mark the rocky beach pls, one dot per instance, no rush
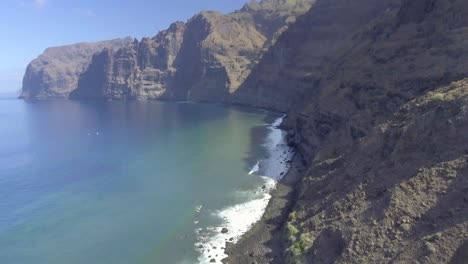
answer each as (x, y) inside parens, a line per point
(261, 244)
(241, 218)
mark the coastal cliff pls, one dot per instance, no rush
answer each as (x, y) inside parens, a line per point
(139, 70)
(376, 93)
(380, 122)
(55, 73)
(205, 59)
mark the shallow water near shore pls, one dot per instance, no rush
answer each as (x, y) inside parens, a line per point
(130, 182)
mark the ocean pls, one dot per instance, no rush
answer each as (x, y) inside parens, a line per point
(132, 182)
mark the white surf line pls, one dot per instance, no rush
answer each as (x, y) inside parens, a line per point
(280, 154)
(255, 168)
(198, 208)
(238, 219)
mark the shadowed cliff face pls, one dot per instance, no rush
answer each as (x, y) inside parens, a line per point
(289, 68)
(206, 59)
(55, 73)
(382, 66)
(94, 79)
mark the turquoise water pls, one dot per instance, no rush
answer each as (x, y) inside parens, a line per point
(121, 182)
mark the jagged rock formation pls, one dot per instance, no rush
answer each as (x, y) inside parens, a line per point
(138, 70)
(206, 59)
(378, 112)
(55, 73)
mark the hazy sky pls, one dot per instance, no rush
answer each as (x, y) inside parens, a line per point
(28, 27)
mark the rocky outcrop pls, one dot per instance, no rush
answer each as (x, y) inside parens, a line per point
(55, 73)
(395, 194)
(206, 59)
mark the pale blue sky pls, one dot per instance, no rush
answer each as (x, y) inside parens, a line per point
(28, 27)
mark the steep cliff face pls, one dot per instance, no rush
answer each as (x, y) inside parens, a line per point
(94, 79)
(394, 194)
(217, 54)
(139, 70)
(206, 59)
(287, 70)
(379, 115)
(55, 73)
(390, 61)
(235, 43)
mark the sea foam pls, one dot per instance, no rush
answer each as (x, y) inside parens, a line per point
(238, 219)
(255, 168)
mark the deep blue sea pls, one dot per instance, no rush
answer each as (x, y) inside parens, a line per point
(85, 182)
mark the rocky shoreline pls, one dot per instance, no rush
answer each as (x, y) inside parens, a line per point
(262, 243)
